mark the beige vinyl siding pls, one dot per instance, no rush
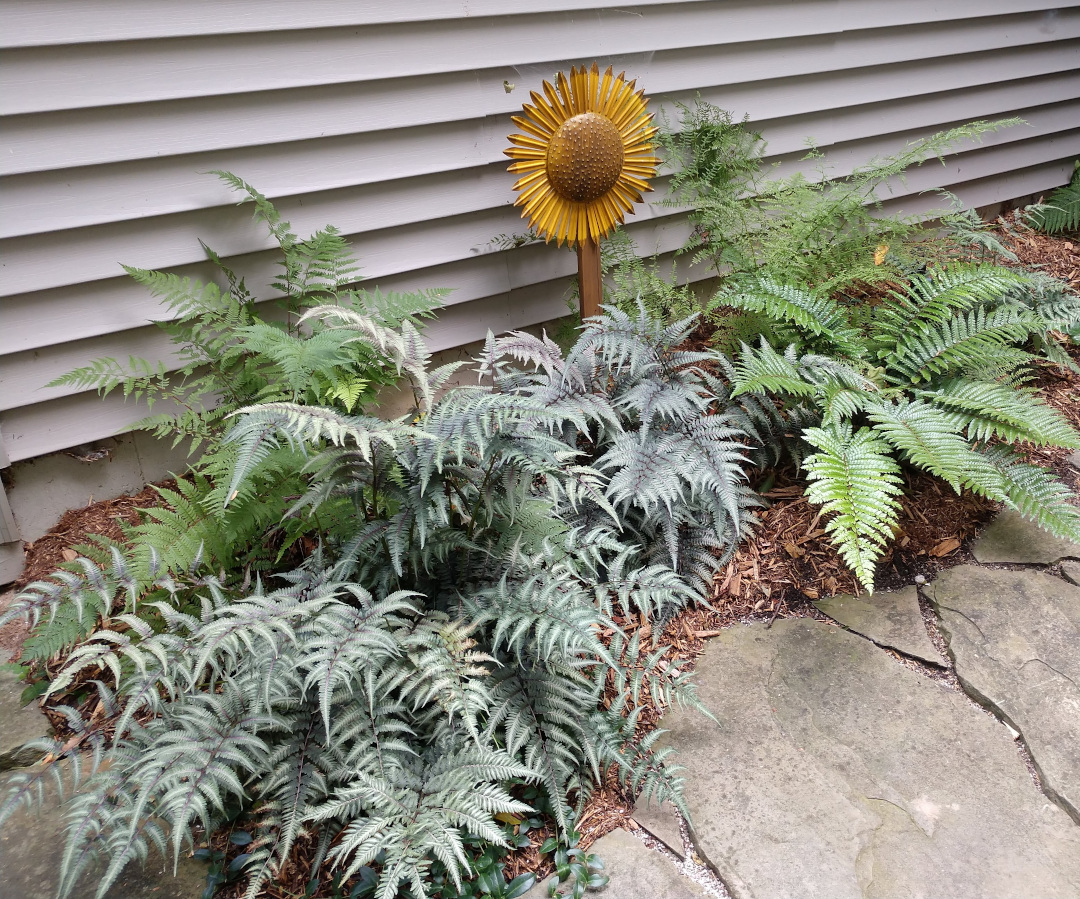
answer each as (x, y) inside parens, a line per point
(389, 121)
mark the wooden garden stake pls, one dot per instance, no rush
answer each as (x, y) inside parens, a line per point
(590, 283)
(585, 156)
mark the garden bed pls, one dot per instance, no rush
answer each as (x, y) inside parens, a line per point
(777, 573)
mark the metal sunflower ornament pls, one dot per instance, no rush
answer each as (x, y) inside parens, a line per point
(585, 158)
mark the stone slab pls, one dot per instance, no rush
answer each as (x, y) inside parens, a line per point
(1071, 572)
(636, 872)
(32, 845)
(1074, 459)
(835, 773)
(662, 822)
(18, 725)
(1012, 538)
(1015, 637)
(889, 619)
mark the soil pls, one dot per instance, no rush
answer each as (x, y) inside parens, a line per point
(788, 563)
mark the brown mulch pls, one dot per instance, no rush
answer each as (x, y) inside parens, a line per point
(1057, 256)
(75, 527)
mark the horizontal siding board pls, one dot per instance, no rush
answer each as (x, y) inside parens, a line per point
(77, 22)
(97, 195)
(26, 372)
(96, 75)
(50, 140)
(119, 303)
(49, 426)
(389, 120)
(92, 253)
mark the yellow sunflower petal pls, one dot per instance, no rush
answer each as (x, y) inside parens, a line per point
(526, 165)
(612, 96)
(629, 180)
(628, 194)
(638, 140)
(630, 111)
(536, 191)
(594, 84)
(566, 95)
(581, 91)
(542, 112)
(556, 102)
(524, 155)
(605, 90)
(623, 197)
(540, 175)
(536, 136)
(611, 209)
(530, 142)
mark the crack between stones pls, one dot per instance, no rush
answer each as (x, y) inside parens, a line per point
(1022, 746)
(984, 702)
(694, 866)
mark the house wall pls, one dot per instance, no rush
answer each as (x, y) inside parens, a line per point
(389, 120)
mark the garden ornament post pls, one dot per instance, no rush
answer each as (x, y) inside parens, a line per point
(585, 158)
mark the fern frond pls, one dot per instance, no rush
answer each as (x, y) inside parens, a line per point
(1036, 494)
(988, 410)
(855, 481)
(976, 340)
(1060, 212)
(935, 298)
(810, 311)
(930, 439)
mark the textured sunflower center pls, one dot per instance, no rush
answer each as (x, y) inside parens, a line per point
(585, 157)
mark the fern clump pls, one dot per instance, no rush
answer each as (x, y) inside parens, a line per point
(818, 230)
(453, 636)
(234, 351)
(934, 376)
(1061, 211)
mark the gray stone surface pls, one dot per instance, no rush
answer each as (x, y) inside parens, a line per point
(1071, 572)
(1074, 459)
(1015, 637)
(836, 773)
(889, 619)
(18, 725)
(1012, 538)
(662, 822)
(32, 845)
(636, 872)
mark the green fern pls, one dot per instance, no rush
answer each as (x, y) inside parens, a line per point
(931, 376)
(855, 481)
(801, 229)
(1061, 211)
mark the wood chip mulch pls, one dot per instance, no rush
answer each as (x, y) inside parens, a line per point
(1057, 256)
(75, 528)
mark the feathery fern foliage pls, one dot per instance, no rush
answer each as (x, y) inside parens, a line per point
(1061, 211)
(445, 642)
(234, 352)
(801, 229)
(934, 376)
